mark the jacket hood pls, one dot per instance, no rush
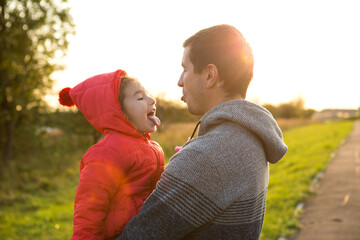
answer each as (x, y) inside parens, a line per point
(97, 99)
(252, 117)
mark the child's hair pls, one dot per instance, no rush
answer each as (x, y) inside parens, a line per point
(125, 81)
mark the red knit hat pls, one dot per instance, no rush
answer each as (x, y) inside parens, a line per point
(64, 97)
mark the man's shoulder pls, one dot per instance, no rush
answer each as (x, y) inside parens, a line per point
(229, 138)
(192, 159)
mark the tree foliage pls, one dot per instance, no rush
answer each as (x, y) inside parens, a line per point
(71, 121)
(292, 109)
(172, 112)
(33, 34)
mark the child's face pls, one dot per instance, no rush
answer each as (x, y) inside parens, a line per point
(140, 108)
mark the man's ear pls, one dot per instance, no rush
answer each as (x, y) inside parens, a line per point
(212, 75)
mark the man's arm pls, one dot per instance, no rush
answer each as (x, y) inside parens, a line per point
(177, 207)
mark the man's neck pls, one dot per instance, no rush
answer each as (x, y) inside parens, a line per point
(220, 98)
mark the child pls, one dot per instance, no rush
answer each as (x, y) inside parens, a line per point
(119, 172)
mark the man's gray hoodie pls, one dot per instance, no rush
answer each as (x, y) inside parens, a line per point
(215, 186)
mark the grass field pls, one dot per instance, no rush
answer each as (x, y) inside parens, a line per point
(310, 149)
(37, 190)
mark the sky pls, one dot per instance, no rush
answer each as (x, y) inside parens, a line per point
(302, 49)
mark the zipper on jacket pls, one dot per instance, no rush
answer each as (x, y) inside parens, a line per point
(156, 154)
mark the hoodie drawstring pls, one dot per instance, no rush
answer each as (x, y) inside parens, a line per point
(178, 148)
(196, 127)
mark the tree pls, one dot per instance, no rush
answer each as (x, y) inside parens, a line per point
(71, 121)
(33, 33)
(293, 109)
(169, 112)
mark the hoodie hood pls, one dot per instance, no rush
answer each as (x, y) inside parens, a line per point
(97, 98)
(252, 117)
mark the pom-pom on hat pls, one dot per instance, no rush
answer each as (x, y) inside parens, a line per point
(64, 97)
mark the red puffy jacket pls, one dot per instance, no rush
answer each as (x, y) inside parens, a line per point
(119, 172)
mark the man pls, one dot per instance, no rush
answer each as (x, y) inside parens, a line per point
(215, 186)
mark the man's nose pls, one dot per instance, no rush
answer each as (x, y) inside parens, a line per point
(181, 82)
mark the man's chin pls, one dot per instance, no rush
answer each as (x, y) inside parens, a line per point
(194, 111)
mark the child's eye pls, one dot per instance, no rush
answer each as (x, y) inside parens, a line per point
(141, 98)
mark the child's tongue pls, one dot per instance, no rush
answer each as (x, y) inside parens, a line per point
(155, 120)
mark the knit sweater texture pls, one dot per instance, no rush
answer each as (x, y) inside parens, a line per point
(215, 186)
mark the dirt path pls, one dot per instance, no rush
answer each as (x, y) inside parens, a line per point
(334, 211)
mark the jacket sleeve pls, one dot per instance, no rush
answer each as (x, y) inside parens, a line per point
(179, 204)
(99, 181)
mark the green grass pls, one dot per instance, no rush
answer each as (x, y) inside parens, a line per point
(39, 203)
(37, 190)
(310, 149)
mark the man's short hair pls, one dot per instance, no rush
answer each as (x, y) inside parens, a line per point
(226, 48)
